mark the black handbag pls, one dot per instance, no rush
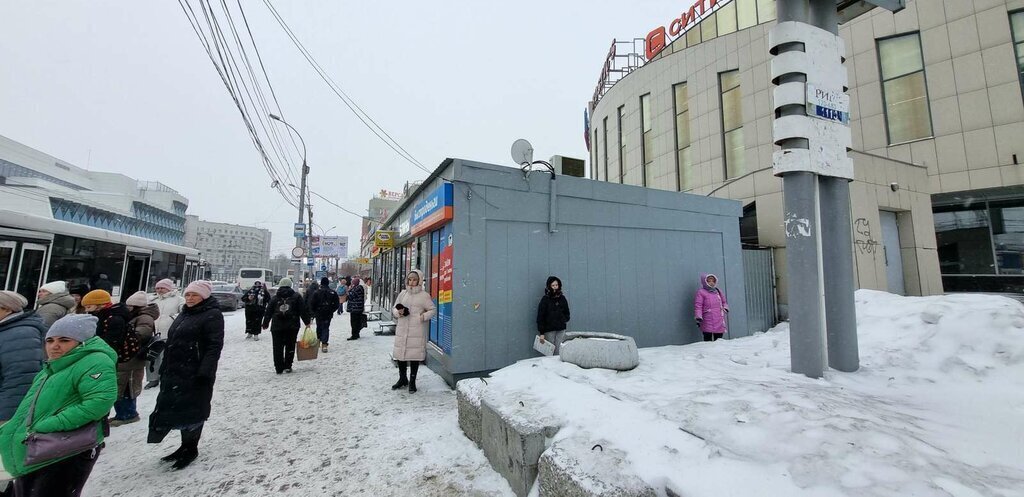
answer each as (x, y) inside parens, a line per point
(43, 447)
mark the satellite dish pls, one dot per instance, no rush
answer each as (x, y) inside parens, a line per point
(522, 152)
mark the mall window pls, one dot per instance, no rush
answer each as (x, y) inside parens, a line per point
(964, 242)
(647, 135)
(727, 19)
(904, 91)
(604, 144)
(1017, 26)
(693, 36)
(684, 161)
(746, 13)
(1008, 236)
(622, 145)
(732, 124)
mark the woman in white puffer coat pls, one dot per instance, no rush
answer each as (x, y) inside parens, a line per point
(413, 310)
(170, 303)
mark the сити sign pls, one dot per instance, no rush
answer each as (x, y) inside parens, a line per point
(657, 39)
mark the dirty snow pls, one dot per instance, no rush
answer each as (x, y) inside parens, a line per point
(333, 427)
(937, 409)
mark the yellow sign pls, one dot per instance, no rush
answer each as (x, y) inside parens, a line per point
(384, 239)
(361, 260)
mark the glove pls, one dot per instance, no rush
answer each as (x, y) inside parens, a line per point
(699, 321)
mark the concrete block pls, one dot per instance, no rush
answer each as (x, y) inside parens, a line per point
(600, 350)
(575, 467)
(514, 434)
(467, 394)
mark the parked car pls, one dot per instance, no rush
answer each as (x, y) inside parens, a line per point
(228, 295)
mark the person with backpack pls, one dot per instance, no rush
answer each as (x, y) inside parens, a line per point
(325, 303)
(356, 305)
(285, 311)
(255, 300)
(131, 373)
(188, 373)
(112, 326)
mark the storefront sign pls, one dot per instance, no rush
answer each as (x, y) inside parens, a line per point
(434, 211)
(384, 239)
(389, 195)
(444, 294)
(658, 38)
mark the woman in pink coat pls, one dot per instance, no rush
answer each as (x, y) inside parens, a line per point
(710, 308)
(413, 310)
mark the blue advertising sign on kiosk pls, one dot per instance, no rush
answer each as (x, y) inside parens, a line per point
(433, 211)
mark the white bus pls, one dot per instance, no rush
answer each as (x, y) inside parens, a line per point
(249, 275)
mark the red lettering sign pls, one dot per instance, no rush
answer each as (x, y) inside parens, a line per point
(657, 39)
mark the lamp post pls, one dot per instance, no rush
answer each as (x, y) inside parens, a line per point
(302, 189)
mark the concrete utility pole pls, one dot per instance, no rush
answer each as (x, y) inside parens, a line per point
(812, 128)
(302, 193)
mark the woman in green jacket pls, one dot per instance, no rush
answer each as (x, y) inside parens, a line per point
(78, 386)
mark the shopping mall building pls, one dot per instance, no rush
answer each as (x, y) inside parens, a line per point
(936, 114)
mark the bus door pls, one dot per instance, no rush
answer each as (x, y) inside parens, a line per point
(28, 271)
(136, 272)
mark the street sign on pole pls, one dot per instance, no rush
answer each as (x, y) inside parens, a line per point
(829, 105)
(300, 230)
(323, 267)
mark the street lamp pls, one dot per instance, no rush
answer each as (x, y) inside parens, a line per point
(302, 189)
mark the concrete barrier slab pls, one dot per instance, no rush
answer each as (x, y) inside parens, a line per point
(576, 467)
(514, 434)
(467, 394)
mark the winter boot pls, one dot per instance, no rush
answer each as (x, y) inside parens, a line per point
(412, 383)
(402, 379)
(189, 448)
(173, 456)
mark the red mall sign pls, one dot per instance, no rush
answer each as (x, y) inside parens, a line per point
(657, 39)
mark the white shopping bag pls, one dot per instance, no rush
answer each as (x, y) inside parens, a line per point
(547, 348)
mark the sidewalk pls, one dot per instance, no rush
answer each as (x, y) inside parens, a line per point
(333, 427)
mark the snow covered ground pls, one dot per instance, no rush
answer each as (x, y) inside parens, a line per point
(333, 427)
(937, 409)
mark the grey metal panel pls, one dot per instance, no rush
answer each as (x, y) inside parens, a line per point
(496, 304)
(759, 276)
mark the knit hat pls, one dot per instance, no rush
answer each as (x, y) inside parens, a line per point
(96, 297)
(55, 287)
(79, 327)
(12, 301)
(325, 281)
(202, 287)
(285, 282)
(165, 283)
(138, 299)
(78, 290)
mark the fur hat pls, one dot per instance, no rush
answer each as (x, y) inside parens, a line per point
(138, 299)
(55, 287)
(79, 327)
(12, 301)
(96, 297)
(202, 287)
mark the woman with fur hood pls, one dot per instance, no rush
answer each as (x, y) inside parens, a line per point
(413, 310)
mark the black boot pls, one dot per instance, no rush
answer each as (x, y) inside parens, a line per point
(402, 380)
(414, 368)
(173, 456)
(189, 448)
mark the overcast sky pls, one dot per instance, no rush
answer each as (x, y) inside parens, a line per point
(127, 87)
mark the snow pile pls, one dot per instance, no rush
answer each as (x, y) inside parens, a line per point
(936, 408)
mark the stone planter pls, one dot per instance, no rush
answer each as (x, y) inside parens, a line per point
(600, 350)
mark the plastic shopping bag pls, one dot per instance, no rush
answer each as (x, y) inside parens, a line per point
(309, 339)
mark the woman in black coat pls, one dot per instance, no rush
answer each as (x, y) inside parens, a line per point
(188, 372)
(553, 314)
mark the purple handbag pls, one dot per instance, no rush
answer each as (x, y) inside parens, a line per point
(43, 447)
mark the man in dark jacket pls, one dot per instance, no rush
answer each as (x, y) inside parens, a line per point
(356, 304)
(286, 309)
(553, 313)
(21, 351)
(325, 303)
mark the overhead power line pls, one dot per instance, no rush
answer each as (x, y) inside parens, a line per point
(362, 115)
